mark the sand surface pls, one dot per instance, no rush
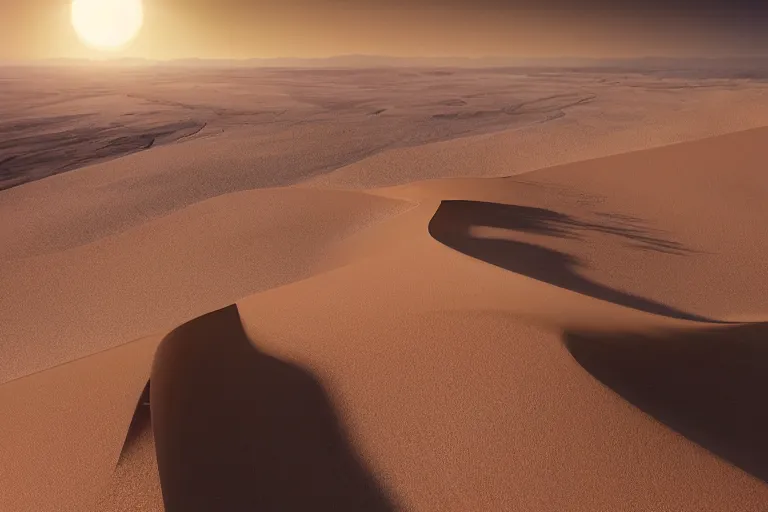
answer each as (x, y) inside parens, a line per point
(383, 290)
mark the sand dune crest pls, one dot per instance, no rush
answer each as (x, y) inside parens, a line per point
(239, 430)
(456, 222)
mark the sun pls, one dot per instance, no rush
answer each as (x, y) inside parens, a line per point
(107, 24)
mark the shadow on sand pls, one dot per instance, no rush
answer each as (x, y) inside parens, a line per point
(140, 423)
(710, 386)
(238, 430)
(452, 223)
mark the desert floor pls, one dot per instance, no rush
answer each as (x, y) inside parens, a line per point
(392, 289)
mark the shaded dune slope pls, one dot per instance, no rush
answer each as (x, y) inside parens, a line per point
(141, 423)
(454, 222)
(706, 383)
(237, 429)
(709, 384)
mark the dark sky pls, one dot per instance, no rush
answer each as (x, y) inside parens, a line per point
(317, 28)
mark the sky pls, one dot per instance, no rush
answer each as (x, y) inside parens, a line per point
(239, 29)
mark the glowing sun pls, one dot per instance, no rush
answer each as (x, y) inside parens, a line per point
(107, 24)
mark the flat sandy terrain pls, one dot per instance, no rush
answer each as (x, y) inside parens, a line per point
(400, 289)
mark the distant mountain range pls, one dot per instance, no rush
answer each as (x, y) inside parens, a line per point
(734, 66)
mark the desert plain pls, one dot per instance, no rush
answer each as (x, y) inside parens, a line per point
(427, 289)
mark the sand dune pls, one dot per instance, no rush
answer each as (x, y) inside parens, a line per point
(482, 407)
(707, 385)
(170, 270)
(275, 451)
(456, 223)
(63, 428)
(323, 325)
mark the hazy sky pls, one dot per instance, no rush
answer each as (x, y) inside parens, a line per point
(317, 28)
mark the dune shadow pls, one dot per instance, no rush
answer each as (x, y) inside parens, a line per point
(452, 226)
(710, 386)
(141, 422)
(239, 430)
